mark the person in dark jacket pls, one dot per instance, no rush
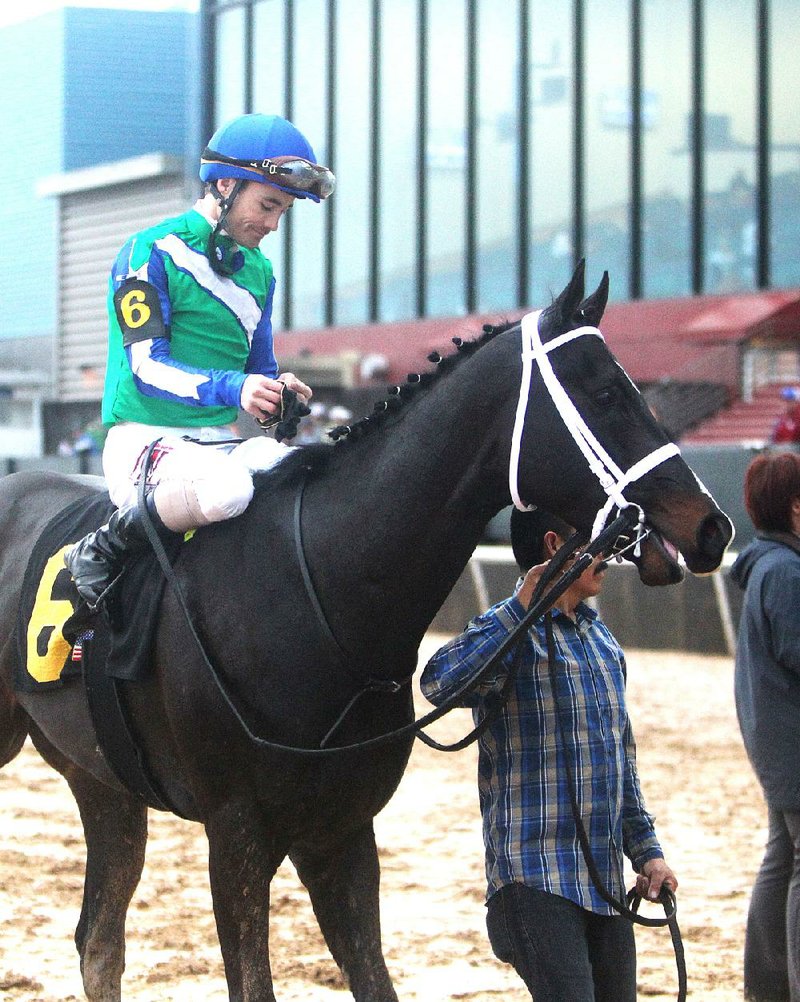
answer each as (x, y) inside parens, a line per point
(767, 686)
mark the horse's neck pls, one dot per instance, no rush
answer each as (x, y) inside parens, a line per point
(404, 508)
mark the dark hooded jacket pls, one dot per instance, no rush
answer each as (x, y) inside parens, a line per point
(767, 677)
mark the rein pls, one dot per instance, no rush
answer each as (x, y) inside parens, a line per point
(536, 610)
(539, 606)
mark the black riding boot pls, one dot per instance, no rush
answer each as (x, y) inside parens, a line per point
(96, 560)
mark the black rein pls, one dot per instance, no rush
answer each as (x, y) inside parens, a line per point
(539, 605)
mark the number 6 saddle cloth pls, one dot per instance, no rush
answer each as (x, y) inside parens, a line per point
(56, 633)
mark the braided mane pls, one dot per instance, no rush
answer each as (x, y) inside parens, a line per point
(318, 455)
(400, 395)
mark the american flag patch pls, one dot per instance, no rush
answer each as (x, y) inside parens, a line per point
(77, 647)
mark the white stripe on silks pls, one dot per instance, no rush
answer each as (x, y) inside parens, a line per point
(164, 377)
(238, 300)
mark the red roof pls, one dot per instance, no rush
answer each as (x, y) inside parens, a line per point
(698, 337)
(692, 338)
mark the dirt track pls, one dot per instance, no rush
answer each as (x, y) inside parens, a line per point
(695, 777)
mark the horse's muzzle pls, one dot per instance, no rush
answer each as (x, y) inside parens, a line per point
(714, 533)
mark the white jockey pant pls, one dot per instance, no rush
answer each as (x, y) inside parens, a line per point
(195, 484)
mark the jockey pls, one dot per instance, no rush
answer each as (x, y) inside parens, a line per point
(190, 342)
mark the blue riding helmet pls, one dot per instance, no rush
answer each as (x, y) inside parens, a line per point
(262, 148)
(267, 149)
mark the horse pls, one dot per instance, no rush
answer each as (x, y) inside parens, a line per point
(310, 608)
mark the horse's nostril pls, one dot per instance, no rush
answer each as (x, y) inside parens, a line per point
(714, 534)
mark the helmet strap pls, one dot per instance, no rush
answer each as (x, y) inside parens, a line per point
(225, 203)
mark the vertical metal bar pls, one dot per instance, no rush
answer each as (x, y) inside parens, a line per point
(697, 147)
(479, 581)
(471, 152)
(422, 135)
(578, 144)
(329, 282)
(288, 97)
(374, 305)
(249, 69)
(208, 56)
(724, 609)
(635, 221)
(523, 157)
(764, 181)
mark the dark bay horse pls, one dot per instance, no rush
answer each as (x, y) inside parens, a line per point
(390, 516)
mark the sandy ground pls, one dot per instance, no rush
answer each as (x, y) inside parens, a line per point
(694, 773)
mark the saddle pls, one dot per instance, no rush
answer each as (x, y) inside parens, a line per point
(58, 638)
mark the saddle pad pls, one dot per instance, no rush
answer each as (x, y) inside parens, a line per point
(49, 598)
(52, 641)
(57, 637)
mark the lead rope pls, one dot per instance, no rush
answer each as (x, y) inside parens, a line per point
(415, 727)
(628, 908)
(536, 609)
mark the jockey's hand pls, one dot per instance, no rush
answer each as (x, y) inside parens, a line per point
(655, 874)
(299, 387)
(261, 395)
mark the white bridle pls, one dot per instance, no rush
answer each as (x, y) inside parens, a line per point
(612, 479)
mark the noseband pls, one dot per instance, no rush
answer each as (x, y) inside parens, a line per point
(612, 479)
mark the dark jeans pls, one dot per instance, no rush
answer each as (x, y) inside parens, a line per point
(772, 942)
(562, 952)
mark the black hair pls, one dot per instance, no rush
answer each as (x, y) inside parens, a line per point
(528, 529)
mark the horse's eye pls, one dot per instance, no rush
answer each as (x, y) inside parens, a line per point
(605, 398)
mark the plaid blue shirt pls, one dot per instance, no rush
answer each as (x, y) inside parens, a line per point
(528, 828)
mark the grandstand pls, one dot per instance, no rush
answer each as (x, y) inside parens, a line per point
(682, 406)
(749, 422)
(711, 367)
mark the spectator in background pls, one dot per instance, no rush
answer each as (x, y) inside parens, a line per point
(544, 914)
(91, 439)
(339, 415)
(787, 428)
(312, 428)
(767, 686)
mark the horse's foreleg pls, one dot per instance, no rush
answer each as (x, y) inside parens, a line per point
(115, 827)
(343, 884)
(243, 858)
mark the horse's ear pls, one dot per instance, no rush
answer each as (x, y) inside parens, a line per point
(593, 307)
(567, 303)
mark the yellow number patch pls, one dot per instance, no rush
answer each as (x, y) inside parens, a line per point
(46, 647)
(138, 311)
(134, 309)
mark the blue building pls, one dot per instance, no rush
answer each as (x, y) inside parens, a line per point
(79, 88)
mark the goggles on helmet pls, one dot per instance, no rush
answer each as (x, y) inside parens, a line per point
(289, 172)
